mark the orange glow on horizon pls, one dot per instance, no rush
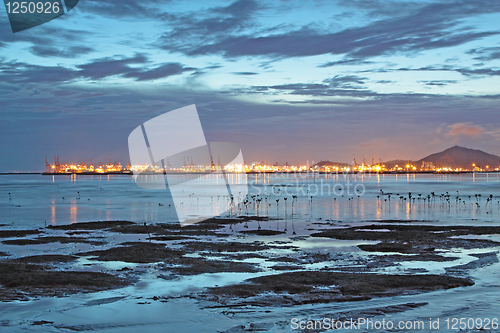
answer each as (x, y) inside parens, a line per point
(100, 168)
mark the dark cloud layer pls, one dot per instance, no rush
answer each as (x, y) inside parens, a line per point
(121, 8)
(159, 72)
(101, 68)
(486, 53)
(23, 73)
(245, 73)
(438, 82)
(207, 26)
(433, 26)
(65, 52)
(136, 67)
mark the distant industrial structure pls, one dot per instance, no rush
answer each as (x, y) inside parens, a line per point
(427, 166)
(454, 159)
(69, 168)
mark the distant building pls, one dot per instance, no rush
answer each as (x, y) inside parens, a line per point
(428, 166)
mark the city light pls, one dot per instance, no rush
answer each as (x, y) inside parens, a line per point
(82, 168)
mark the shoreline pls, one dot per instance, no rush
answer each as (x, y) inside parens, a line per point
(217, 251)
(253, 173)
(244, 275)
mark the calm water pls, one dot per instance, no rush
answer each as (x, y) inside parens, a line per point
(35, 200)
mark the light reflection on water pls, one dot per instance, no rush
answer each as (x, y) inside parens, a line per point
(56, 200)
(37, 198)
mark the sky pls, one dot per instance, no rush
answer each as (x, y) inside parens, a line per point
(288, 81)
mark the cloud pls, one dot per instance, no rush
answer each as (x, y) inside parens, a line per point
(485, 53)
(122, 66)
(339, 85)
(208, 26)
(159, 72)
(245, 73)
(362, 43)
(346, 81)
(467, 129)
(347, 61)
(110, 66)
(478, 72)
(23, 73)
(433, 26)
(438, 82)
(136, 67)
(68, 52)
(239, 8)
(494, 133)
(47, 41)
(381, 7)
(121, 8)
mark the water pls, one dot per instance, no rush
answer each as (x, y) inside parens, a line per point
(37, 200)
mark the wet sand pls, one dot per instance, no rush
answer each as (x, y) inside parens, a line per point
(285, 273)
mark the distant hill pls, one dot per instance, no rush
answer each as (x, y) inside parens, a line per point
(329, 163)
(401, 163)
(454, 157)
(461, 157)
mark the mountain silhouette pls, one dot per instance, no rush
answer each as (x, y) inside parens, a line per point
(461, 157)
(330, 164)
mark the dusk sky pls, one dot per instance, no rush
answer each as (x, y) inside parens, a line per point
(288, 81)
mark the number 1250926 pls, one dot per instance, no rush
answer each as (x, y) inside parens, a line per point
(471, 323)
(33, 7)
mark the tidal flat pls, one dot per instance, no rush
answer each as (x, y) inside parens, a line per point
(329, 262)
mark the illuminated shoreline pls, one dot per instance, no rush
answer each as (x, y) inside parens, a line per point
(128, 172)
(58, 168)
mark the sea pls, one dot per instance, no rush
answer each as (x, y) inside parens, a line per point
(294, 202)
(36, 200)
